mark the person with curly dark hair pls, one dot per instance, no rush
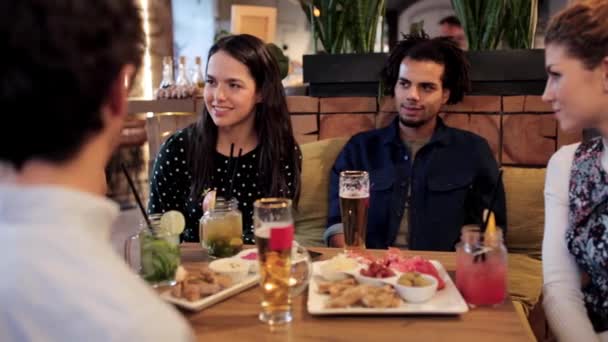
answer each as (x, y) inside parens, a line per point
(427, 180)
(63, 72)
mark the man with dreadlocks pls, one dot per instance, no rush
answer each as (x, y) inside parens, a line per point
(427, 180)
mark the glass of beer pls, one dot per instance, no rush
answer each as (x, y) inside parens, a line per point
(354, 202)
(274, 230)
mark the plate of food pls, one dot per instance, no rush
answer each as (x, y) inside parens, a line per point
(206, 284)
(390, 285)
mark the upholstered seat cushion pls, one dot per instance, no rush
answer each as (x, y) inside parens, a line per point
(311, 217)
(525, 209)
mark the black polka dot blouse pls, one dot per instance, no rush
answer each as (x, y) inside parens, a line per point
(171, 180)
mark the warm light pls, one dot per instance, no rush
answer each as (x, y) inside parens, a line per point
(147, 67)
(316, 12)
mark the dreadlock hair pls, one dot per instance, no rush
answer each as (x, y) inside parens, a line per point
(441, 50)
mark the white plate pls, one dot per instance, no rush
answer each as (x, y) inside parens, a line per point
(251, 280)
(445, 302)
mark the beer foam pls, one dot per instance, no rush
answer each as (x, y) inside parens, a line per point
(354, 194)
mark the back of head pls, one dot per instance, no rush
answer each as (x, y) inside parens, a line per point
(440, 50)
(450, 20)
(582, 28)
(60, 59)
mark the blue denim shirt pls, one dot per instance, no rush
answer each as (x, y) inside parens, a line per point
(452, 180)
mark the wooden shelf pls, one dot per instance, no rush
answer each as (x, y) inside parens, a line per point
(191, 105)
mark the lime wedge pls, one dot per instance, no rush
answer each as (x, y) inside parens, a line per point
(172, 222)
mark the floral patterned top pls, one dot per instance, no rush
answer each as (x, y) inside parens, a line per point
(587, 235)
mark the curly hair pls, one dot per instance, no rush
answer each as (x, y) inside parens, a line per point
(61, 58)
(440, 50)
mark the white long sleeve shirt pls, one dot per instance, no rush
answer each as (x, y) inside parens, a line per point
(61, 280)
(563, 298)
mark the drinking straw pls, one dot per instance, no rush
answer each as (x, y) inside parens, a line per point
(482, 256)
(228, 168)
(492, 202)
(137, 199)
(236, 166)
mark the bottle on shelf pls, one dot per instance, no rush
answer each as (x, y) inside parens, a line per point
(198, 78)
(167, 80)
(182, 75)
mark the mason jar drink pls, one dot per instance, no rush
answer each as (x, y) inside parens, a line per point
(221, 229)
(159, 253)
(481, 267)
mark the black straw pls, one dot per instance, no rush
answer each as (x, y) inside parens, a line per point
(137, 199)
(482, 257)
(236, 166)
(229, 167)
(492, 201)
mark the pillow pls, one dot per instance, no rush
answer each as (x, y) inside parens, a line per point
(311, 217)
(524, 189)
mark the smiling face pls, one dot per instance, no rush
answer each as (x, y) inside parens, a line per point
(419, 93)
(578, 95)
(230, 91)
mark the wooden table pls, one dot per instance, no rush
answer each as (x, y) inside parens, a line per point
(236, 318)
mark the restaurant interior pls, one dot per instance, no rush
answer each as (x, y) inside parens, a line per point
(504, 108)
(333, 92)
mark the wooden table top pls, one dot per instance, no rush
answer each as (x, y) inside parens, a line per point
(236, 318)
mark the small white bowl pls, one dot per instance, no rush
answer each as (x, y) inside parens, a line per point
(378, 282)
(330, 273)
(235, 268)
(412, 294)
(254, 265)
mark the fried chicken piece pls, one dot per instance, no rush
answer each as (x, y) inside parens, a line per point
(349, 297)
(177, 290)
(338, 290)
(380, 298)
(207, 289)
(223, 281)
(207, 275)
(191, 291)
(336, 287)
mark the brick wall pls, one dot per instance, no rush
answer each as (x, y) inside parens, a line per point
(520, 129)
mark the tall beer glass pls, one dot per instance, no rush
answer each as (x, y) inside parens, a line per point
(354, 202)
(274, 230)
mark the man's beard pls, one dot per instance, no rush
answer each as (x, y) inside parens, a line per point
(414, 123)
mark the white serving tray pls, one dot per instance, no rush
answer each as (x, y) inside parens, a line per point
(447, 301)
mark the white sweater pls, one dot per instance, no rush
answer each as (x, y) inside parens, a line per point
(61, 279)
(563, 298)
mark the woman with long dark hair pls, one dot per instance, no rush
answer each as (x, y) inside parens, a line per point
(245, 111)
(575, 246)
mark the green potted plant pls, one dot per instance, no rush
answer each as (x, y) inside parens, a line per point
(344, 35)
(501, 34)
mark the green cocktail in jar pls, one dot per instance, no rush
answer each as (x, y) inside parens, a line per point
(221, 229)
(160, 257)
(159, 252)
